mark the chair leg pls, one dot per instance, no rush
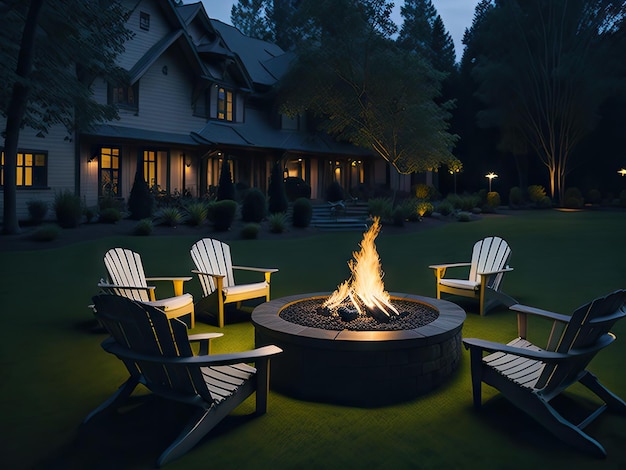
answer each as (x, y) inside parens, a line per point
(613, 402)
(476, 363)
(120, 396)
(220, 310)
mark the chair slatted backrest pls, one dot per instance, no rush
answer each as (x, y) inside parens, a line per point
(212, 256)
(588, 328)
(489, 254)
(145, 329)
(125, 268)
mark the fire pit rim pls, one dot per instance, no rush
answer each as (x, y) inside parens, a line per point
(450, 317)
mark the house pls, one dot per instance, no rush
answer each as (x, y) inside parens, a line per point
(199, 91)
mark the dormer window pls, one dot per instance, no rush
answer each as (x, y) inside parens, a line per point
(224, 104)
(144, 21)
(124, 96)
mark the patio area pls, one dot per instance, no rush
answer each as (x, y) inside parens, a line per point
(55, 372)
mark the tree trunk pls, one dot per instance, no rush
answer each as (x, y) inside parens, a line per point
(15, 113)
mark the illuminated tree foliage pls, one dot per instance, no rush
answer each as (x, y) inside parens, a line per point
(363, 88)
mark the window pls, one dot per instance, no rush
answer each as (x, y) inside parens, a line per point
(224, 104)
(144, 21)
(109, 172)
(31, 170)
(124, 96)
(150, 169)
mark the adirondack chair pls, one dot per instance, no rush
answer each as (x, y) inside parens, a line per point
(127, 278)
(157, 353)
(486, 270)
(530, 377)
(214, 269)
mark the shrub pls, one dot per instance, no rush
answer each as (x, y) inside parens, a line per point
(46, 233)
(536, 193)
(424, 191)
(425, 208)
(455, 200)
(107, 201)
(222, 214)
(140, 200)
(68, 209)
(334, 192)
(516, 199)
(276, 191)
(253, 207)
(297, 188)
(196, 213)
(398, 216)
(445, 207)
(464, 216)
(380, 207)
(250, 231)
(594, 196)
(170, 216)
(144, 227)
(493, 199)
(302, 212)
(544, 203)
(573, 198)
(110, 215)
(225, 186)
(37, 210)
(278, 222)
(90, 214)
(469, 201)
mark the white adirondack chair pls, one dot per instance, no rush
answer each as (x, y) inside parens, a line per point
(127, 279)
(158, 354)
(530, 377)
(486, 269)
(215, 271)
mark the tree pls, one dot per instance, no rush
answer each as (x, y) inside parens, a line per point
(249, 16)
(545, 74)
(442, 47)
(46, 76)
(363, 88)
(417, 27)
(225, 187)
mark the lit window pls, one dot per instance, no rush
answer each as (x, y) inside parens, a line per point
(124, 96)
(31, 170)
(109, 172)
(224, 104)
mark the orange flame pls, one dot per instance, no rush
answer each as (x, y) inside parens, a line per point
(365, 288)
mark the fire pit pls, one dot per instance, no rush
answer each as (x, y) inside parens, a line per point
(361, 348)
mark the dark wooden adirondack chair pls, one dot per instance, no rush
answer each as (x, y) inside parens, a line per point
(484, 281)
(157, 353)
(530, 377)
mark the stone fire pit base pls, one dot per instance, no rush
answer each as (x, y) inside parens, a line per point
(360, 368)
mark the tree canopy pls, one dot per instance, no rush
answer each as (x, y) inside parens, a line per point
(544, 70)
(363, 88)
(46, 74)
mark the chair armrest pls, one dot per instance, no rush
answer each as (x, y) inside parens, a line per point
(489, 273)
(205, 341)
(122, 352)
(200, 273)
(491, 346)
(525, 309)
(179, 278)
(450, 265)
(260, 270)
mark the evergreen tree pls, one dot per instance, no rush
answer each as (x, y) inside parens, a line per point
(276, 191)
(225, 188)
(442, 47)
(140, 201)
(249, 16)
(417, 27)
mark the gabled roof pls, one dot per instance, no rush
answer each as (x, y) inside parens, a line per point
(178, 36)
(124, 133)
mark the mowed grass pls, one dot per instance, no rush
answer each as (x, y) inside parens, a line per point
(54, 371)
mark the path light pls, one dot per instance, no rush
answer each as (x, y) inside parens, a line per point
(622, 171)
(491, 176)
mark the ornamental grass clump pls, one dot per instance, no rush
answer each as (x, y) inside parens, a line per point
(37, 210)
(144, 227)
(46, 233)
(197, 213)
(277, 222)
(250, 231)
(170, 216)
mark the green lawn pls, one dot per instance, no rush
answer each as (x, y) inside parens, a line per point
(54, 371)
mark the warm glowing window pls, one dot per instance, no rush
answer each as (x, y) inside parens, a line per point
(224, 104)
(109, 171)
(31, 169)
(150, 168)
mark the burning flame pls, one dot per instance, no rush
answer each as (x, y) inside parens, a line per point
(364, 289)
